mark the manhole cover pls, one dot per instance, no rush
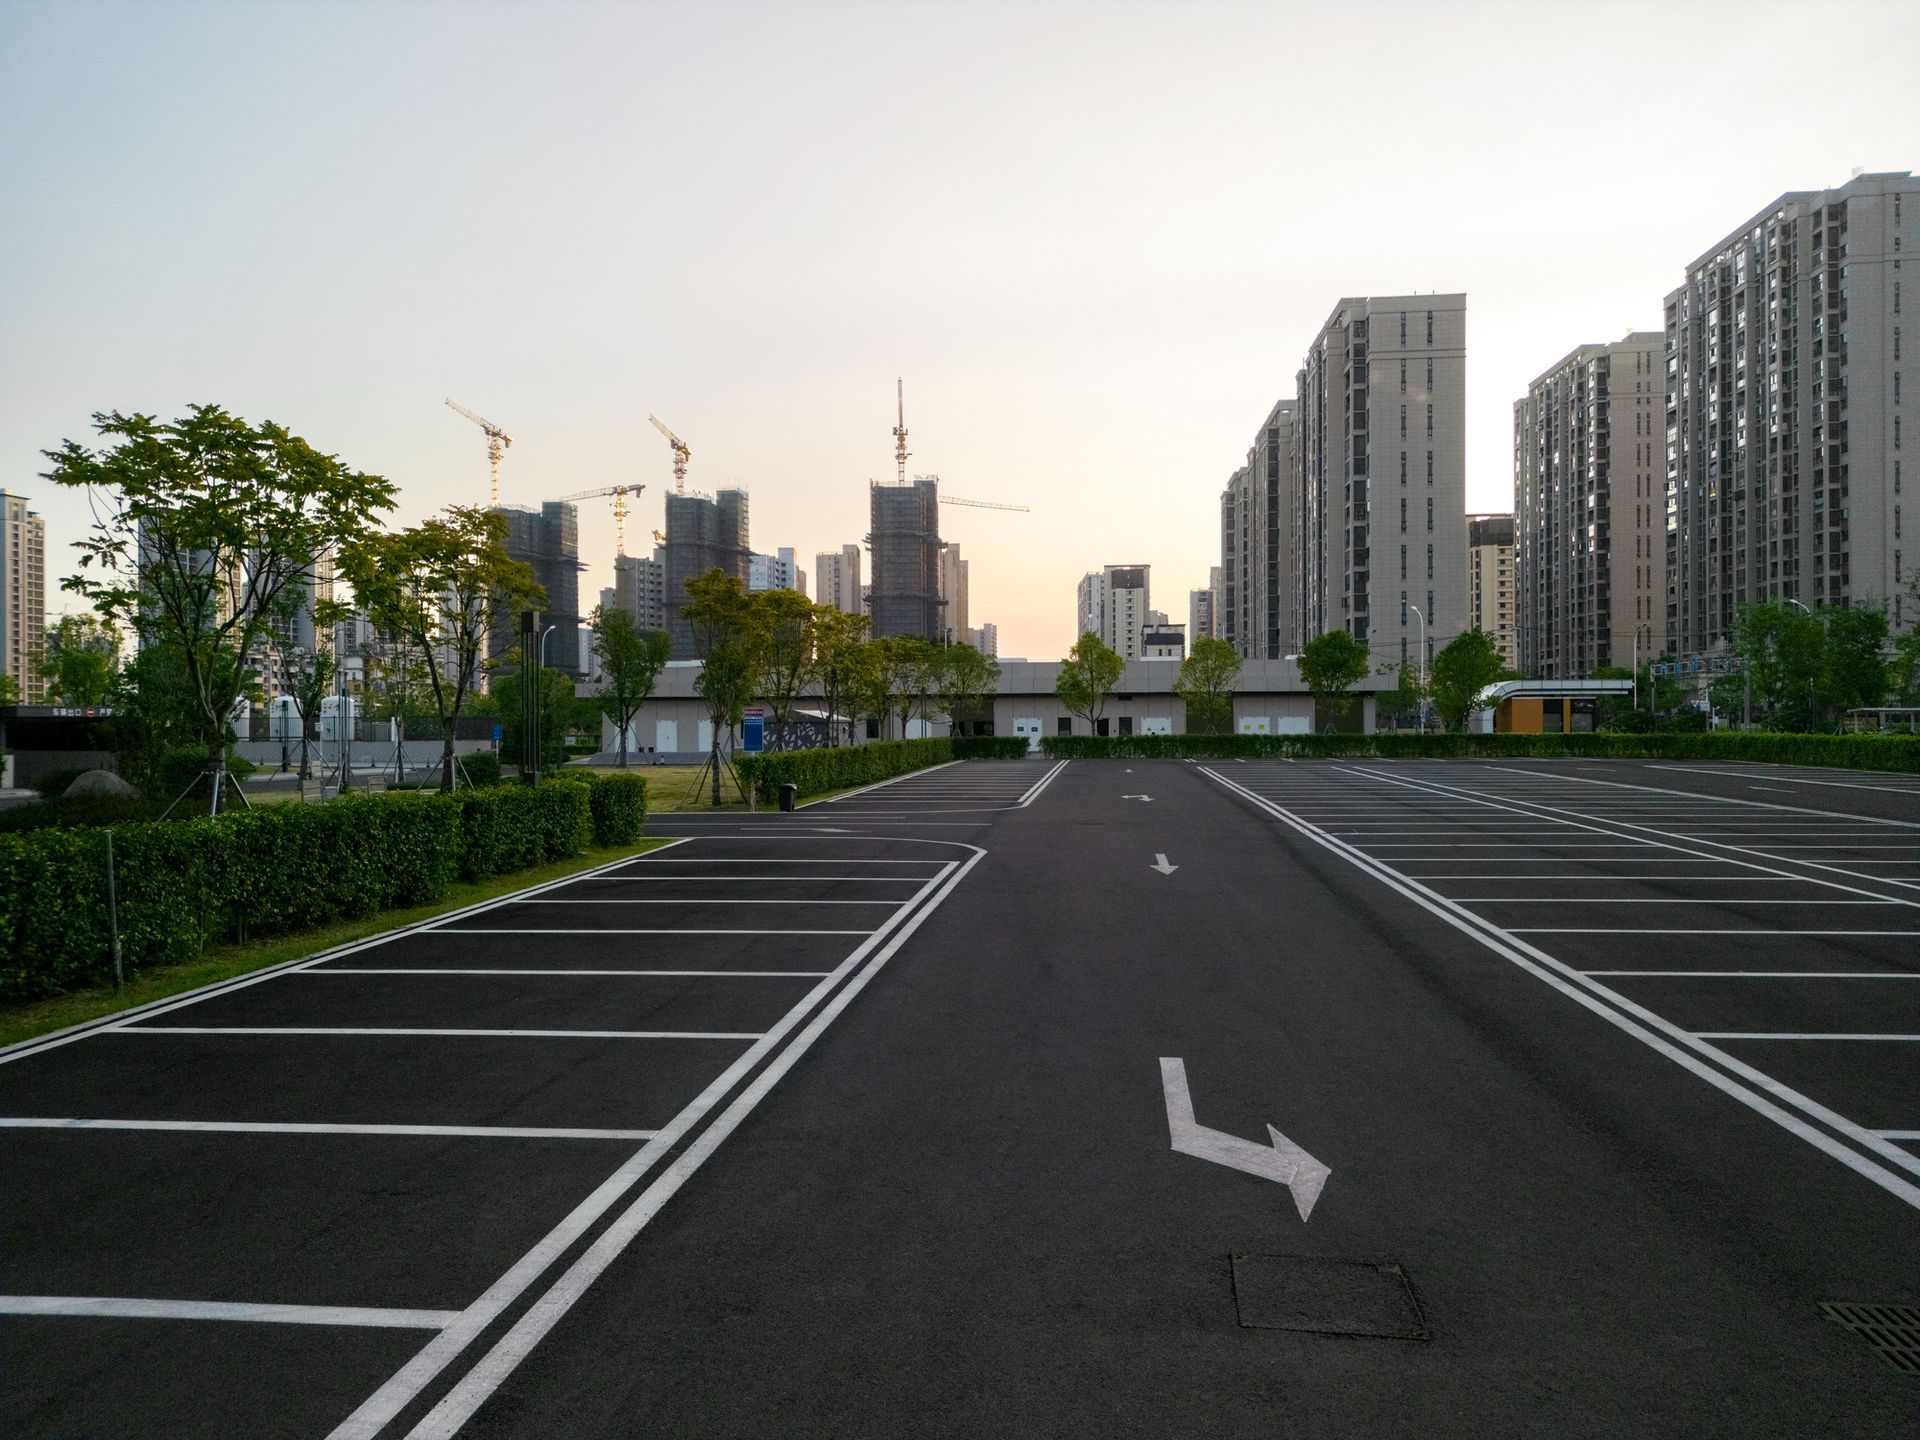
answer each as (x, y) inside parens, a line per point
(1892, 1330)
(1327, 1297)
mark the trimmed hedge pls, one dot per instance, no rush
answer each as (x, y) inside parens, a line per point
(814, 772)
(254, 873)
(1851, 752)
(990, 747)
(619, 804)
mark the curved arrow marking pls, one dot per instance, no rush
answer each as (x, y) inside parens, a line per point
(1280, 1160)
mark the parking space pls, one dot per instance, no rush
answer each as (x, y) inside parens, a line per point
(383, 1151)
(1770, 941)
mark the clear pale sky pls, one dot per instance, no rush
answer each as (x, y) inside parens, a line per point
(1095, 238)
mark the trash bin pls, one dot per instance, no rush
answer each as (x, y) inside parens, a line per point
(788, 795)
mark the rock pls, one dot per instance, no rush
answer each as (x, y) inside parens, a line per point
(98, 782)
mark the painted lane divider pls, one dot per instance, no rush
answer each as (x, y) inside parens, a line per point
(1160, 864)
(1282, 1160)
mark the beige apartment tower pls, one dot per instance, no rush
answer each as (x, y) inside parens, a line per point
(1379, 503)
(1490, 580)
(1785, 412)
(23, 596)
(836, 579)
(1589, 487)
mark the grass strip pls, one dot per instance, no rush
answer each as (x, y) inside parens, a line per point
(224, 962)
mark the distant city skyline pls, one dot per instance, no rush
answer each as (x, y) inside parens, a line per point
(1094, 245)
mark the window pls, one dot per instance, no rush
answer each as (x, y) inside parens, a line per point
(1064, 725)
(1126, 724)
(1403, 562)
(1429, 514)
(1403, 467)
(1403, 329)
(1429, 327)
(1429, 422)
(1429, 560)
(1403, 377)
(1403, 514)
(1429, 468)
(1403, 612)
(1403, 422)
(1429, 374)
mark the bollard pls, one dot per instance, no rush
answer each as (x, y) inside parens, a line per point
(788, 795)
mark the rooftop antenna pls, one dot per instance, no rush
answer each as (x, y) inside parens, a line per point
(900, 451)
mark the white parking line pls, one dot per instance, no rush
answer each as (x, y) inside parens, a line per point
(722, 901)
(261, 1127)
(1666, 930)
(1766, 974)
(1793, 1035)
(478, 970)
(91, 1305)
(801, 879)
(415, 1030)
(531, 930)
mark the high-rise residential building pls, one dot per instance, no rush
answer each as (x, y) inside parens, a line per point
(1090, 604)
(547, 540)
(703, 533)
(1127, 601)
(953, 590)
(986, 639)
(638, 589)
(1589, 490)
(1490, 581)
(777, 571)
(1239, 562)
(904, 588)
(23, 596)
(836, 578)
(1785, 412)
(1380, 507)
(1200, 614)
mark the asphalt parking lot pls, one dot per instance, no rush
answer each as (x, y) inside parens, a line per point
(862, 1120)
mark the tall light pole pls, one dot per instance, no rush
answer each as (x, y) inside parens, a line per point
(1423, 666)
(1813, 701)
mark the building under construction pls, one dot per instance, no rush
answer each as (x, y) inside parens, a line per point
(905, 595)
(546, 540)
(702, 534)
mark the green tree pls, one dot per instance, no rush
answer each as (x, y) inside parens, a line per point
(789, 626)
(727, 637)
(630, 664)
(1465, 666)
(81, 658)
(1855, 673)
(205, 530)
(843, 658)
(437, 588)
(309, 678)
(556, 711)
(1407, 693)
(912, 672)
(1331, 664)
(966, 678)
(9, 690)
(1087, 677)
(1206, 682)
(1785, 650)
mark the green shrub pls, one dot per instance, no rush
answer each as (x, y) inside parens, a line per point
(814, 772)
(504, 828)
(1853, 752)
(619, 804)
(481, 768)
(990, 747)
(81, 810)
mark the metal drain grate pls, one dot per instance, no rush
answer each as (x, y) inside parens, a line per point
(1892, 1330)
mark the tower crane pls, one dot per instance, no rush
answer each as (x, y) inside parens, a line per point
(974, 504)
(497, 442)
(681, 454)
(900, 451)
(619, 494)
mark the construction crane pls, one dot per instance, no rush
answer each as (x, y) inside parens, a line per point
(659, 537)
(619, 494)
(681, 454)
(974, 504)
(900, 451)
(497, 442)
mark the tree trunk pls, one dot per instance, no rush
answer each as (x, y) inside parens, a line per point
(216, 766)
(446, 754)
(715, 757)
(624, 723)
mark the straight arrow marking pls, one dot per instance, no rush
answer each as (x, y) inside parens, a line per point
(1160, 864)
(1136, 797)
(1281, 1160)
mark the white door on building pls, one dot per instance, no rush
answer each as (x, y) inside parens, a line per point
(1254, 725)
(666, 735)
(706, 737)
(1156, 725)
(919, 729)
(1293, 725)
(1030, 728)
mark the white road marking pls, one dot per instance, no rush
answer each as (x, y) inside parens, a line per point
(473, 1389)
(1279, 1160)
(256, 1127)
(1765, 974)
(412, 1030)
(475, 970)
(1667, 930)
(1655, 899)
(1659, 1034)
(531, 930)
(801, 879)
(1898, 1134)
(1885, 789)
(1793, 1035)
(1160, 864)
(725, 901)
(1147, 798)
(117, 1308)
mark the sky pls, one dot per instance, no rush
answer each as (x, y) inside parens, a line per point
(1095, 239)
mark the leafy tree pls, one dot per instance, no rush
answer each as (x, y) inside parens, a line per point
(966, 678)
(727, 637)
(437, 587)
(81, 657)
(556, 711)
(207, 528)
(843, 658)
(1407, 693)
(1903, 676)
(1465, 666)
(1087, 677)
(1785, 650)
(912, 666)
(789, 625)
(9, 690)
(630, 662)
(309, 680)
(1855, 673)
(1331, 664)
(1206, 682)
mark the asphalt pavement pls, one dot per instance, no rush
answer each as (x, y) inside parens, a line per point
(1526, 1099)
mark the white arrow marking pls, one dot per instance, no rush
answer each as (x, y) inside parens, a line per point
(1136, 797)
(1160, 864)
(1282, 1160)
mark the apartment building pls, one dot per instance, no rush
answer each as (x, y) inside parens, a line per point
(953, 591)
(1240, 562)
(1589, 485)
(905, 540)
(836, 578)
(1200, 611)
(1785, 411)
(23, 596)
(778, 571)
(1490, 581)
(985, 638)
(703, 533)
(639, 589)
(1379, 506)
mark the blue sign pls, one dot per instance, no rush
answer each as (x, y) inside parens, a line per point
(753, 733)
(499, 732)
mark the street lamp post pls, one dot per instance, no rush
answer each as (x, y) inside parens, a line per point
(1423, 666)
